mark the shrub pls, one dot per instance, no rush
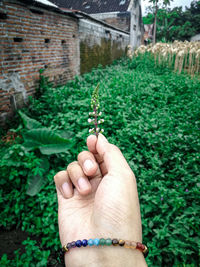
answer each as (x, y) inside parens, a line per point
(152, 114)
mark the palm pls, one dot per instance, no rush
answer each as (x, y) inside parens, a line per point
(85, 215)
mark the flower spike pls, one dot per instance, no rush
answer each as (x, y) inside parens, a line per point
(95, 107)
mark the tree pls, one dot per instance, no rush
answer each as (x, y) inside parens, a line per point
(156, 7)
(175, 24)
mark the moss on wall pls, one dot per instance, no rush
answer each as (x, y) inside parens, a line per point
(104, 54)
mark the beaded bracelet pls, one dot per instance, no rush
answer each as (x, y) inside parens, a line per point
(106, 242)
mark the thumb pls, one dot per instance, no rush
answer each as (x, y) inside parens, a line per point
(112, 156)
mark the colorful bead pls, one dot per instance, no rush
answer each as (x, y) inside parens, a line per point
(115, 242)
(69, 245)
(73, 244)
(133, 245)
(78, 243)
(102, 242)
(140, 246)
(96, 241)
(108, 242)
(121, 242)
(84, 242)
(127, 244)
(90, 242)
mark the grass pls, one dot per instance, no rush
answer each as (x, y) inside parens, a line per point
(152, 114)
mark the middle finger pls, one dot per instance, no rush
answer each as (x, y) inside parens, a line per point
(78, 178)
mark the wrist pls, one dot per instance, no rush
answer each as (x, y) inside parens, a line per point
(104, 256)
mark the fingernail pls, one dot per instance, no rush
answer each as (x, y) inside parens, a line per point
(88, 165)
(83, 184)
(103, 138)
(66, 190)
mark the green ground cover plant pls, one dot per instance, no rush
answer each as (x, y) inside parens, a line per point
(152, 114)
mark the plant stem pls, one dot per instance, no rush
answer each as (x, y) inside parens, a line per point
(95, 119)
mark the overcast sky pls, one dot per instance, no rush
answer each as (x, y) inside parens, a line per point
(175, 3)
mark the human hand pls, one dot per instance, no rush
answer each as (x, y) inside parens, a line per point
(103, 203)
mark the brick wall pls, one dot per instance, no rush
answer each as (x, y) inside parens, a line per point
(33, 38)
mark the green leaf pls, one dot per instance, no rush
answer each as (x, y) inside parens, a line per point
(53, 149)
(44, 136)
(35, 184)
(66, 134)
(28, 122)
(45, 164)
(46, 140)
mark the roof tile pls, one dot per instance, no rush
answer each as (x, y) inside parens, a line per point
(94, 6)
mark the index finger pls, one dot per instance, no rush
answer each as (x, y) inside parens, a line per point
(110, 154)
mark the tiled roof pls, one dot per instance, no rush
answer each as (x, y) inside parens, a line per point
(94, 6)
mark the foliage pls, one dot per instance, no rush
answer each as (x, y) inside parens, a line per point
(156, 8)
(36, 137)
(176, 24)
(153, 116)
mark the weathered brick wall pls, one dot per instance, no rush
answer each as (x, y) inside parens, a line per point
(33, 38)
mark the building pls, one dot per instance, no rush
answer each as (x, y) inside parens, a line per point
(148, 34)
(195, 38)
(114, 12)
(123, 14)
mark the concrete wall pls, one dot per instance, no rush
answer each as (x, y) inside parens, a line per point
(99, 44)
(136, 28)
(119, 20)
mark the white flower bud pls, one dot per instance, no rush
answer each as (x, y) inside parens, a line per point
(102, 130)
(100, 113)
(101, 121)
(91, 130)
(98, 129)
(90, 120)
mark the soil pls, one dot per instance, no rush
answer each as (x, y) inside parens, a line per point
(11, 241)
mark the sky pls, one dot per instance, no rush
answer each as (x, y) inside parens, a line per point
(175, 3)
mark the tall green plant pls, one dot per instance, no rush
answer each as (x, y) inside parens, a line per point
(156, 7)
(95, 114)
(45, 142)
